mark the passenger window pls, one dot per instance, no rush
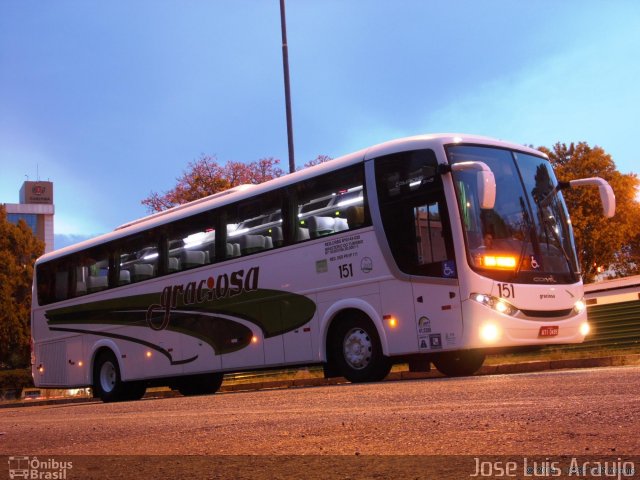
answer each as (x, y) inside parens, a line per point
(92, 273)
(138, 260)
(192, 243)
(255, 225)
(331, 204)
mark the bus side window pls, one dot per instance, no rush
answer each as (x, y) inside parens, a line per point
(255, 225)
(331, 204)
(98, 275)
(192, 243)
(139, 259)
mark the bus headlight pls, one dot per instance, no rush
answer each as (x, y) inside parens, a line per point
(489, 332)
(495, 303)
(579, 306)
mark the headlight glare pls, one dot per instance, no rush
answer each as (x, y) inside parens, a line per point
(585, 329)
(489, 332)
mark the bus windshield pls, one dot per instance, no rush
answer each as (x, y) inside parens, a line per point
(527, 236)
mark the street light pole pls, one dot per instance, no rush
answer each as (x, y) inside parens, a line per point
(287, 87)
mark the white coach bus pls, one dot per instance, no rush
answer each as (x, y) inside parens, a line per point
(430, 249)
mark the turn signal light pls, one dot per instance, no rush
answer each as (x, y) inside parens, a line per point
(498, 261)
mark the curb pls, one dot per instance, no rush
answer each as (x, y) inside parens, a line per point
(524, 367)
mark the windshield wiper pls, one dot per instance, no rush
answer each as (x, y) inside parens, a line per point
(549, 223)
(529, 236)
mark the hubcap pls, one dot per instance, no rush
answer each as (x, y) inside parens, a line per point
(357, 348)
(107, 377)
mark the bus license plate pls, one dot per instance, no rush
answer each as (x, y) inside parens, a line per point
(549, 331)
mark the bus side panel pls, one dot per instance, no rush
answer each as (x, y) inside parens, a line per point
(396, 298)
(367, 303)
(60, 363)
(438, 316)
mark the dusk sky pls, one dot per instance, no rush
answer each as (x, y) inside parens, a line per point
(111, 99)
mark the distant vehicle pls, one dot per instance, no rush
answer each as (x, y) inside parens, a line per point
(29, 394)
(436, 248)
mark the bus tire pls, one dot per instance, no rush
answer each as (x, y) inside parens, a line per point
(134, 390)
(357, 351)
(204, 384)
(107, 384)
(459, 363)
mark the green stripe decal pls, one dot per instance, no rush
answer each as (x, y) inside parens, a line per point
(198, 311)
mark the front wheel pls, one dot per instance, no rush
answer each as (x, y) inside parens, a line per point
(459, 363)
(357, 351)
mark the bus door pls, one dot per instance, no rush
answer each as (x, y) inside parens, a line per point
(436, 293)
(414, 215)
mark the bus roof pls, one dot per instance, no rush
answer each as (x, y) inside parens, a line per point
(242, 192)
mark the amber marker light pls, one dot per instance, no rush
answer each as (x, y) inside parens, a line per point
(80, 363)
(391, 321)
(505, 262)
(148, 354)
(254, 339)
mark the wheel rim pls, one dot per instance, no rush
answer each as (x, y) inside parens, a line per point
(107, 377)
(357, 348)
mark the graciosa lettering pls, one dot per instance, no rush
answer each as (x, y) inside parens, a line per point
(205, 290)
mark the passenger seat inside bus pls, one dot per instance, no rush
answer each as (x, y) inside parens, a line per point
(140, 271)
(233, 250)
(174, 264)
(321, 226)
(193, 258)
(277, 237)
(302, 234)
(125, 277)
(81, 288)
(251, 244)
(96, 283)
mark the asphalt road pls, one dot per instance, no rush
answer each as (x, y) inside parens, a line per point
(571, 412)
(448, 427)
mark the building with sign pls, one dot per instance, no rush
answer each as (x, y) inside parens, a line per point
(36, 209)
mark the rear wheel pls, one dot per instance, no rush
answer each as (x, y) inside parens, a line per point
(357, 351)
(205, 384)
(107, 384)
(460, 363)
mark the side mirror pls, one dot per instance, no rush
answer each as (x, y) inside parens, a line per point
(486, 181)
(607, 197)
